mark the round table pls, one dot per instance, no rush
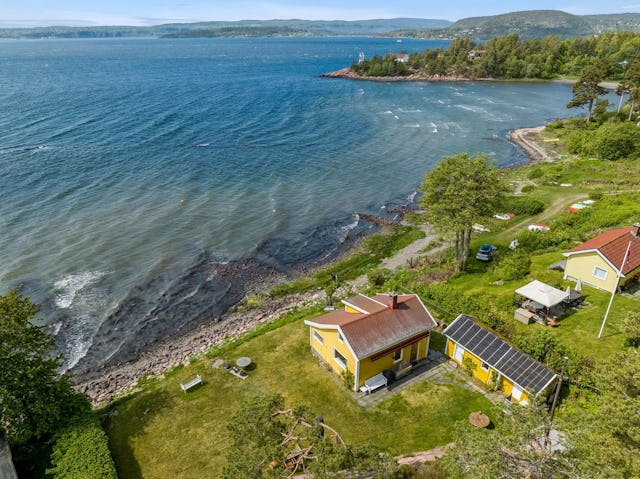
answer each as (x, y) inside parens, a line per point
(243, 362)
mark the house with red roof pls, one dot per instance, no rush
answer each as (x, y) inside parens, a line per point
(370, 335)
(606, 261)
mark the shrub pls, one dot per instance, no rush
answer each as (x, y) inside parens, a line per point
(468, 366)
(528, 188)
(524, 205)
(513, 266)
(614, 141)
(81, 451)
(347, 378)
(536, 173)
(579, 142)
(596, 194)
(378, 276)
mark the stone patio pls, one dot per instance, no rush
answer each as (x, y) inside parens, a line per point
(436, 368)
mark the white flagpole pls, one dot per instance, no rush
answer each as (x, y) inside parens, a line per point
(613, 293)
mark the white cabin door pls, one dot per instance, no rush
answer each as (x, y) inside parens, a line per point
(458, 353)
(516, 392)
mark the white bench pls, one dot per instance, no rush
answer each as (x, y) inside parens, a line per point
(194, 382)
(374, 383)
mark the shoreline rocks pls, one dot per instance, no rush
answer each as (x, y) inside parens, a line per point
(351, 75)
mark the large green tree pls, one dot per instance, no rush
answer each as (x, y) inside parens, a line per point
(458, 192)
(518, 447)
(587, 89)
(34, 399)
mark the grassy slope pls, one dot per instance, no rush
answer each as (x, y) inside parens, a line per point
(162, 432)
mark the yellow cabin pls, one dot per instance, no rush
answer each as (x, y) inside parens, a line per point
(496, 363)
(372, 335)
(599, 261)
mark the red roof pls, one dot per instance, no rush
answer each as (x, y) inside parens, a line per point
(384, 327)
(613, 245)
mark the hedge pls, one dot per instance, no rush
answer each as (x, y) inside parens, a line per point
(81, 451)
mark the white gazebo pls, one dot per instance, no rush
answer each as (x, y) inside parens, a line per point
(541, 296)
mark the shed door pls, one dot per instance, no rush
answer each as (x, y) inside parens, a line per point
(516, 392)
(458, 353)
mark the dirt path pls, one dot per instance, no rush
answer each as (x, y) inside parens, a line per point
(552, 210)
(414, 250)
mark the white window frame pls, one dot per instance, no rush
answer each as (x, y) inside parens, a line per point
(340, 338)
(318, 337)
(339, 359)
(603, 277)
(484, 366)
(397, 360)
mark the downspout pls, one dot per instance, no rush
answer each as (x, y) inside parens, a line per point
(356, 379)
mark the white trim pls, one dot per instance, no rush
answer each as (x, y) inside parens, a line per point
(320, 326)
(596, 268)
(518, 388)
(340, 337)
(435, 323)
(375, 300)
(482, 367)
(317, 336)
(457, 348)
(356, 377)
(548, 384)
(337, 361)
(401, 355)
(353, 306)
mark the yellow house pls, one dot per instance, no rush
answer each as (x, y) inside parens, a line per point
(599, 261)
(373, 334)
(496, 363)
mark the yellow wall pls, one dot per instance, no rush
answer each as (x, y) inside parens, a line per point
(369, 368)
(349, 309)
(581, 265)
(505, 385)
(330, 337)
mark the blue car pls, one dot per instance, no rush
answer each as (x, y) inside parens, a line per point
(485, 253)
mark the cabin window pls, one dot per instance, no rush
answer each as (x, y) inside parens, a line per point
(340, 359)
(484, 366)
(600, 273)
(340, 338)
(318, 337)
(397, 355)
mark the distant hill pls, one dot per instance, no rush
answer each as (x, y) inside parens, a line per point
(530, 24)
(241, 28)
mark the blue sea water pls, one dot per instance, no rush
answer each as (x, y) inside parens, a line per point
(124, 163)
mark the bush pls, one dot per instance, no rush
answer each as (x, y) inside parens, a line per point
(81, 451)
(513, 266)
(536, 173)
(528, 188)
(596, 194)
(579, 143)
(524, 205)
(347, 378)
(614, 141)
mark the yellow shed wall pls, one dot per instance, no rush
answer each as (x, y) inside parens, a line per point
(325, 350)
(505, 385)
(581, 266)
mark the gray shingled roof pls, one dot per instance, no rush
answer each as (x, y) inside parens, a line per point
(507, 360)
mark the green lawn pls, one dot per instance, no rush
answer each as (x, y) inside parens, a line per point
(162, 432)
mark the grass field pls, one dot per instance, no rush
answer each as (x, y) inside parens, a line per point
(162, 432)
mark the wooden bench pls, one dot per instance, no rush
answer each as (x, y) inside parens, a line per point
(193, 383)
(373, 383)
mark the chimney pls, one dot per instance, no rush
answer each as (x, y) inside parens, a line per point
(637, 232)
(394, 300)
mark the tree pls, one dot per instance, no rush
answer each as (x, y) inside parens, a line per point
(34, 400)
(605, 432)
(631, 328)
(269, 441)
(587, 88)
(517, 448)
(458, 192)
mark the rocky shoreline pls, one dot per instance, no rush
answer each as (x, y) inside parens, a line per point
(351, 75)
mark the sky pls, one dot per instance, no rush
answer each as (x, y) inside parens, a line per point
(29, 13)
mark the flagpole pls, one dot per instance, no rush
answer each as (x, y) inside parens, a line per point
(613, 293)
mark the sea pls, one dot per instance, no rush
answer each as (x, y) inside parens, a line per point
(146, 184)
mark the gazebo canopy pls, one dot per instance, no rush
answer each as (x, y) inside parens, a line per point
(542, 293)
